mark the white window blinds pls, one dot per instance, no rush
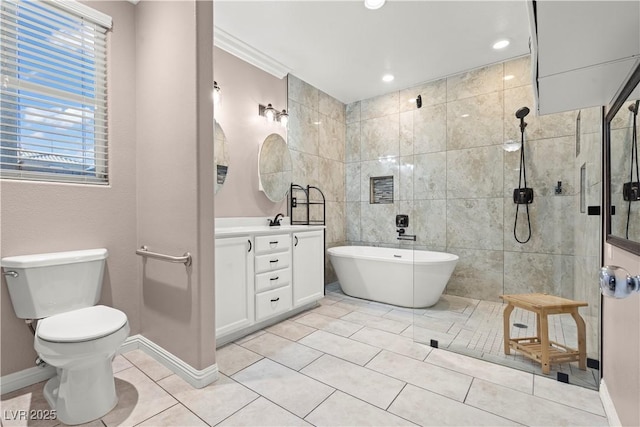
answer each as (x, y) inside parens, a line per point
(53, 91)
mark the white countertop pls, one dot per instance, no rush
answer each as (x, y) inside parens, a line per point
(231, 227)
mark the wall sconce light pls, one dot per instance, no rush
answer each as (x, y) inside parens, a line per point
(267, 112)
(216, 93)
(283, 118)
(272, 115)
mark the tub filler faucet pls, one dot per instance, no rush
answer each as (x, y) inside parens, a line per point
(403, 236)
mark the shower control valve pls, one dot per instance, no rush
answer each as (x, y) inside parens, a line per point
(616, 282)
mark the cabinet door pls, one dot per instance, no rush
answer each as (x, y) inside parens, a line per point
(234, 284)
(308, 267)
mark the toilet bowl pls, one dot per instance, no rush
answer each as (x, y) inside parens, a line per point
(81, 344)
(73, 335)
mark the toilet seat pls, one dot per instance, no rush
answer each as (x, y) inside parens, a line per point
(85, 324)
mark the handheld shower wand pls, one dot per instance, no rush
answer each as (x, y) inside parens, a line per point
(521, 114)
(631, 189)
(522, 195)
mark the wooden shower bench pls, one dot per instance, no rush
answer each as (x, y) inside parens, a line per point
(540, 348)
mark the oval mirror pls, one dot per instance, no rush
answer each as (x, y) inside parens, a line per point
(274, 168)
(220, 157)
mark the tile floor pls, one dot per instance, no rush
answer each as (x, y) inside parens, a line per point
(344, 363)
(475, 328)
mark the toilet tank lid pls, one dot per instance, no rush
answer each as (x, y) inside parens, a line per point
(54, 258)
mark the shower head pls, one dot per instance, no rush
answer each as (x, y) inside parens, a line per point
(634, 107)
(522, 113)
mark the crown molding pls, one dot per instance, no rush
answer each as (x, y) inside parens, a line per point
(236, 47)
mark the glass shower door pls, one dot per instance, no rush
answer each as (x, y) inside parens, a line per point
(561, 259)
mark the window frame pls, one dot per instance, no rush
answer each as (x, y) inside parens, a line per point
(54, 17)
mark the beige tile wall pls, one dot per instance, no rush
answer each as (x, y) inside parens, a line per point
(587, 237)
(452, 176)
(317, 143)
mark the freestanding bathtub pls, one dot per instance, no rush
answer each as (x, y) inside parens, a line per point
(402, 277)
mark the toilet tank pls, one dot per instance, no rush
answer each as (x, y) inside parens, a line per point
(53, 283)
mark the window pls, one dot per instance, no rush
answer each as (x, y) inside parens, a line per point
(53, 91)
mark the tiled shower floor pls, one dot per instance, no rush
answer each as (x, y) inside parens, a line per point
(474, 328)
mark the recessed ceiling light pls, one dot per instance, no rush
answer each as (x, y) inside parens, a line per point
(464, 115)
(373, 4)
(388, 78)
(509, 77)
(501, 44)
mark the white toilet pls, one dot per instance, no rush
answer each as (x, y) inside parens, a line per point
(73, 335)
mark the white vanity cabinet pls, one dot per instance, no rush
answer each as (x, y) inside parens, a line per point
(264, 274)
(234, 284)
(273, 275)
(308, 267)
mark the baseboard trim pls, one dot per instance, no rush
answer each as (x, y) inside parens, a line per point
(609, 407)
(197, 378)
(25, 378)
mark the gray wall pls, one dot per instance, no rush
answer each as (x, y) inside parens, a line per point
(175, 175)
(41, 217)
(243, 88)
(621, 342)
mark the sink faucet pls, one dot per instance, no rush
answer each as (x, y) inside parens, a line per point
(276, 221)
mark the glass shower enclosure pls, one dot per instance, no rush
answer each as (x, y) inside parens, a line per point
(560, 259)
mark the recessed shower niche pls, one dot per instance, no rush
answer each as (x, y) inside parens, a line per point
(381, 189)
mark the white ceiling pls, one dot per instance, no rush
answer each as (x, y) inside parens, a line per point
(344, 49)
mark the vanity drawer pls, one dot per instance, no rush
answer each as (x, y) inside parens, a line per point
(272, 280)
(273, 302)
(273, 243)
(272, 262)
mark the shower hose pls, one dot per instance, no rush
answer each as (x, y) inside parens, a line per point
(522, 179)
(634, 159)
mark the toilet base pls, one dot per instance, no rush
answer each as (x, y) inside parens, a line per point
(82, 394)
